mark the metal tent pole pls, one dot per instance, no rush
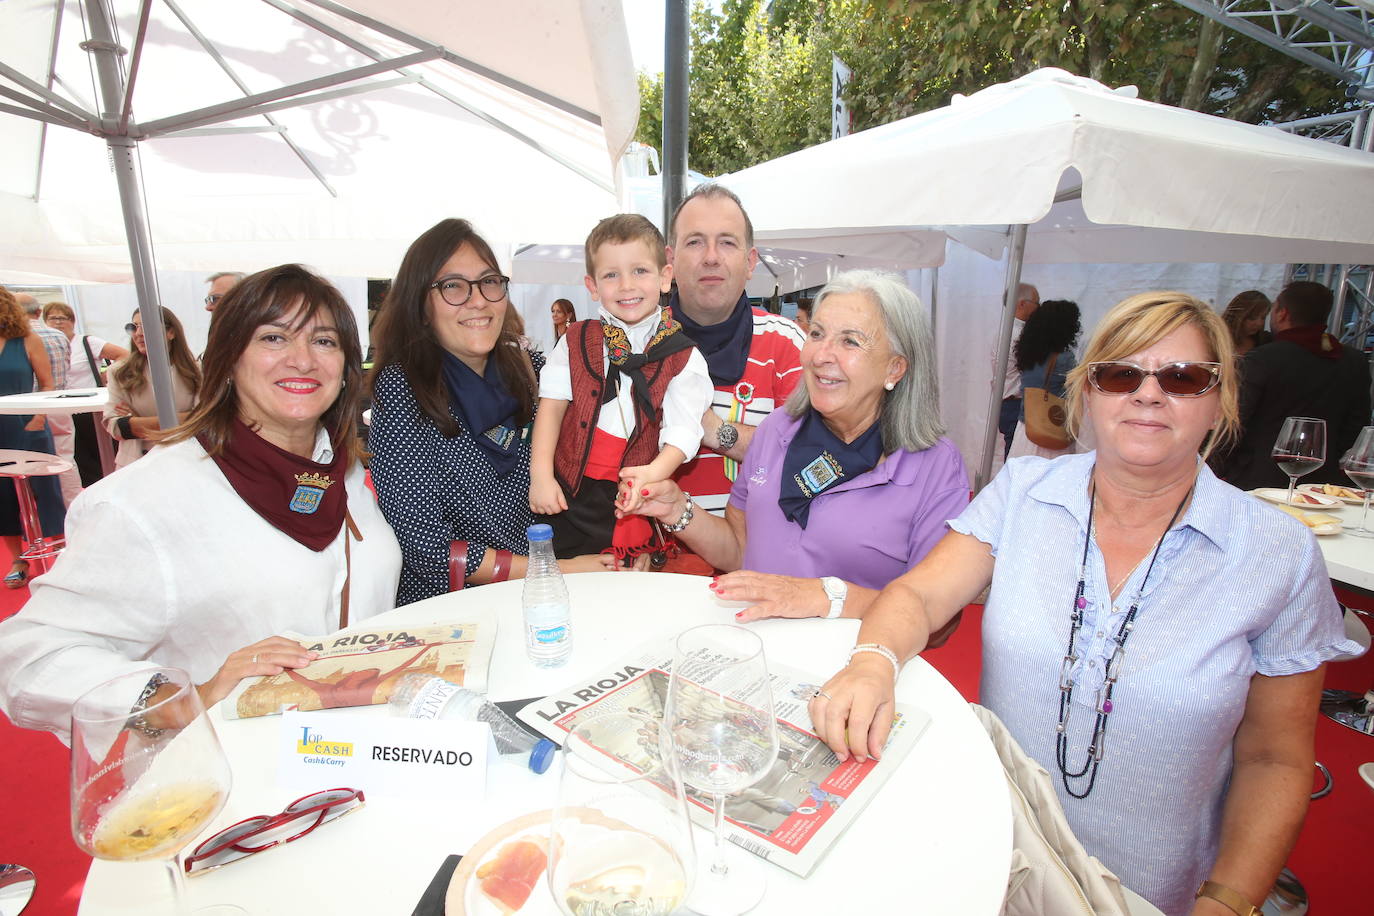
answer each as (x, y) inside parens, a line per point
(1016, 251)
(124, 160)
(675, 32)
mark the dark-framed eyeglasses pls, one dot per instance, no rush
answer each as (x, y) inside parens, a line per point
(457, 291)
(1179, 380)
(214, 298)
(256, 834)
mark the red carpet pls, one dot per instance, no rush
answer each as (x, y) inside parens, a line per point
(1336, 837)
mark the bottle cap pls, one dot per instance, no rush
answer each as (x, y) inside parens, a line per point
(539, 533)
(542, 755)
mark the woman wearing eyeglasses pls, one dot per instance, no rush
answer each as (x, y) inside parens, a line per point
(1153, 637)
(131, 416)
(453, 402)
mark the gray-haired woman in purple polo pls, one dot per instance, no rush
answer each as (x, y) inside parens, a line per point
(851, 483)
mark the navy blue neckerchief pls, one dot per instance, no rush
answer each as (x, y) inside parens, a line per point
(817, 460)
(487, 410)
(725, 345)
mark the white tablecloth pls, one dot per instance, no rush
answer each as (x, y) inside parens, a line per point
(1350, 559)
(936, 840)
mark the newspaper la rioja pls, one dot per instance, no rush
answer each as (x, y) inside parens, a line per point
(361, 666)
(801, 805)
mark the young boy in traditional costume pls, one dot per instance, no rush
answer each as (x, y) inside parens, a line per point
(620, 399)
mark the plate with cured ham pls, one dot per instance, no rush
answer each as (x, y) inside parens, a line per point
(505, 872)
(1334, 491)
(1302, 499)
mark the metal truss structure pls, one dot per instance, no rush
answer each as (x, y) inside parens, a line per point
(1334, 37)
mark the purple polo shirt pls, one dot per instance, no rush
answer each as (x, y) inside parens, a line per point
(868, 530)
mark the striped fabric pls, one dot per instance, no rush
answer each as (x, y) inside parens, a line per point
(59, 351)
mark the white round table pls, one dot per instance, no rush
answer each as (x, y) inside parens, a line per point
(937, 839)
(70, 401)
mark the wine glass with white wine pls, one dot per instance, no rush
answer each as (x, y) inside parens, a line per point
(621, 838)
(1358, 464)
(719, 724)
(148, 773)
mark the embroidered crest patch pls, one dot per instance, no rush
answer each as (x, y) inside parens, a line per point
(309, 492)
(503, 436)
(819, 474)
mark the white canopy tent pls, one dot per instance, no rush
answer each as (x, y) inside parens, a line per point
(1053, 168)
(263, 131)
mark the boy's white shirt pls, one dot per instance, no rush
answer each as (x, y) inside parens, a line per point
(686, 400)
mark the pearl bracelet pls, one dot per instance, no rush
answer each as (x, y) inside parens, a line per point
(884, 651)
(685, 519)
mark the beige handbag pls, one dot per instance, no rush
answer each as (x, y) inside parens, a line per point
(1051, 874)
(1046, 414)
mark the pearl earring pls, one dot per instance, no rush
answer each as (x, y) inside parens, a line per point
(889, 385)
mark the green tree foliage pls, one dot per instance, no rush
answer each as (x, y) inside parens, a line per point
(760, 72)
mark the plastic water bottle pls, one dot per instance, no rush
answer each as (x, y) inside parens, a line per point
(423, 696)
(548, 616)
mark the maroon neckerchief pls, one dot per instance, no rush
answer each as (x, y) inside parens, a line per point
(1314, 339)
(303, 498)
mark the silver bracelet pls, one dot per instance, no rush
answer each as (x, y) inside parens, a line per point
(685, 519)
(884, 651)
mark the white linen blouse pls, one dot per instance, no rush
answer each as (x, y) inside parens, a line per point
(166, 565)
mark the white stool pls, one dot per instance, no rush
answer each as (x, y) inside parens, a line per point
(20, 466)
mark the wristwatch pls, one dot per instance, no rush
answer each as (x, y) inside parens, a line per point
(1229, 898)
(836, 590)
(726, 437)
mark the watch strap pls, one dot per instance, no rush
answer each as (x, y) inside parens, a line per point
(831, 585)
(1229, 898)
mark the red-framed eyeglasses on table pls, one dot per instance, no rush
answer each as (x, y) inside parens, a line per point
(262, 832)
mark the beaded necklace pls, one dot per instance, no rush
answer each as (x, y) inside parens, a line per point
(1112, 671)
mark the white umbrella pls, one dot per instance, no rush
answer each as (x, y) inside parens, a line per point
(1057, 168)
(306, 130)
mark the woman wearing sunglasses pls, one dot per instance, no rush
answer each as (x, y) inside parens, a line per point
(1153, 637)
(453, 401)
(250, 520)
(131, 417)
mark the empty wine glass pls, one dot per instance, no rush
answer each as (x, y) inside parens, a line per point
(621, 838)
(148, 773)
(1358, 464)
(1300, 449)
(718, 723)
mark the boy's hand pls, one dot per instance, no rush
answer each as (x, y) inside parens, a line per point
(632, 482)
(546, 497)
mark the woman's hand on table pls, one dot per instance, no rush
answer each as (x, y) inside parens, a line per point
(600, 562)
(272, 655)
(853, 712)
(38, 422)
(772, 595)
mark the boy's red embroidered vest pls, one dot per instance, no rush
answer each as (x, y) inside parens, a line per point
(586, 365)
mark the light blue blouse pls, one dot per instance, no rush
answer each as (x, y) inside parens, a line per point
(1239, 588)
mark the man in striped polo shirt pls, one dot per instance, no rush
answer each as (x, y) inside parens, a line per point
(754, 357)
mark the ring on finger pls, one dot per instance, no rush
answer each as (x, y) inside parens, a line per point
(821, 693)
(255, 659)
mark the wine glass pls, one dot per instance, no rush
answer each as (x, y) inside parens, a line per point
(621, 839)
(148, 773)
(1358, 464)
(1300, 449)
(718, 723)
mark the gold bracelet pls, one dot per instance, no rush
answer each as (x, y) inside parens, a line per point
(1229, 898)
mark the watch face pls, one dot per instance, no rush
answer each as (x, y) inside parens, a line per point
(727, 435)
